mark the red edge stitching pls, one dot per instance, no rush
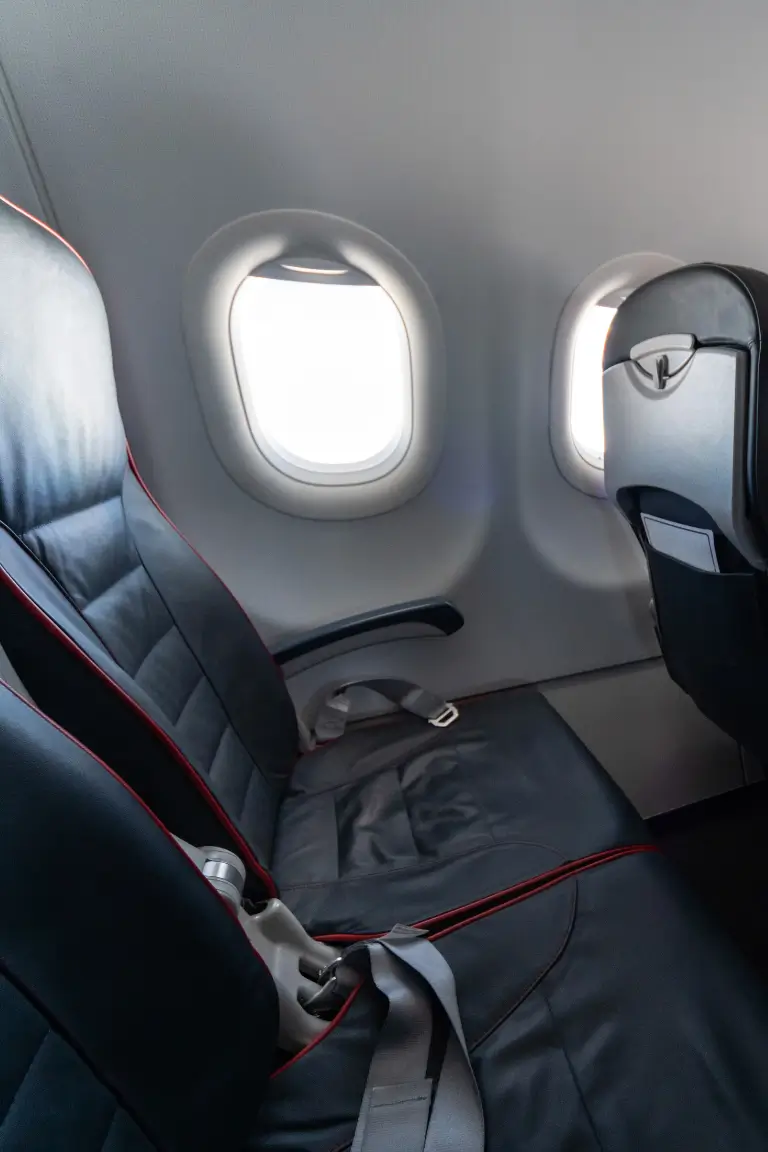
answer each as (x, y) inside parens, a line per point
(562, 872)
(102, 764)
(518, 893)
(47, 227)
(221, 815)
(549, 881)
(140, 479)
(163, 736)
(336, 1021)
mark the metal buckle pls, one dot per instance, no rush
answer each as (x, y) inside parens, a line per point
(330, 994)
(445, 718)
(328, 999)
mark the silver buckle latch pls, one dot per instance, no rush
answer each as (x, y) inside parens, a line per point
(445, 718)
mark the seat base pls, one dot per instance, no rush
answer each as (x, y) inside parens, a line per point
(603, 1012)
(404, 822)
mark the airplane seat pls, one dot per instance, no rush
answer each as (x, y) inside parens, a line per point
(120, 632)
(685, 387)
(134, 1016)
(599, 1008)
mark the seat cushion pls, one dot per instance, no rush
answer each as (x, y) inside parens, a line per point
(605, 1012)
(402, 821)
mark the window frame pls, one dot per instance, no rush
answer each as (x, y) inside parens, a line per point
(216, 273)
(608, 284)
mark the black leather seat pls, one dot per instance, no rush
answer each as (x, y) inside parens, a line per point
(600, 1008)
(122, 634)
(685, 380)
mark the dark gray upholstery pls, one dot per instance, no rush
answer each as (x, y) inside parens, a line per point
(122, 634)
(133, 1012)
(686, 464)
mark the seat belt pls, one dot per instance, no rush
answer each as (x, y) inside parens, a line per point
(403, 1110)
(333, 713)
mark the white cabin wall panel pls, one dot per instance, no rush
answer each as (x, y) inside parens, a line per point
(507, 150)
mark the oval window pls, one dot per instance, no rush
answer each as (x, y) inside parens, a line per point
(324, 369)
(587, 383)
(576, 395)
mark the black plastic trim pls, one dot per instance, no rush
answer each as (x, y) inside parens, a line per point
(434, 612)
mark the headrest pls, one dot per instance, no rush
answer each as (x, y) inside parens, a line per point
(715, 303)
(684, 382)
(62, 445)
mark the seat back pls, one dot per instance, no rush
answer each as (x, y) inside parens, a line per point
(115, 625)
(134, 1014)
(685, 383)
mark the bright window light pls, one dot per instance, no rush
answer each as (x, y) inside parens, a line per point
(587, 383)
(325, 371)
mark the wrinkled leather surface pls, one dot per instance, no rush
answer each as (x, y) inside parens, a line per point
(137, 967)
(399, 822)
(404, 821)
(602, 1014)
(110, 569)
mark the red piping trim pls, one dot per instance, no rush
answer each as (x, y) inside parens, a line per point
(48, 229)
(333, 1024)
(111, 772)
(163, 736)
(221, 815)
(523, 891)
(578, 867)
(490, 903)
(179, 533)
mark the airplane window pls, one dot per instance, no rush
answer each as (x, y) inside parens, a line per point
(576, 390)
(318, 360)
(587, 383)
(324, 366)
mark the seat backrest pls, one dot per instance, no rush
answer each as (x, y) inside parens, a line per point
(134, 1014)
(115, 625)
(685, 385)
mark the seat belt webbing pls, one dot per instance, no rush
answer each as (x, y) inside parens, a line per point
(333, 713)
(396, 1113)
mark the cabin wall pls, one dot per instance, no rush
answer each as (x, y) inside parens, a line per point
(507, 150)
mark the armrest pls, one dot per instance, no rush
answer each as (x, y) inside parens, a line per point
(434, 613)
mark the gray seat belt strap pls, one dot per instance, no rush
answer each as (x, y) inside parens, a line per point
(331, 719)
(399, 1113)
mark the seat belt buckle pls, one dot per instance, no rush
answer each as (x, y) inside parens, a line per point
(445, 718)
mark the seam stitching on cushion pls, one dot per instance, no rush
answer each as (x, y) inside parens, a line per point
(156, 645)
(439, 862)
(115, 1112)
(193, 654)
(33, 556)
(202, 679)
(561, 1042)
(248, 787)
(196, 778)
(69, 515)
(547, 968)
(217, 750)
(111, 587)
(543, 883)
(22, 1082)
